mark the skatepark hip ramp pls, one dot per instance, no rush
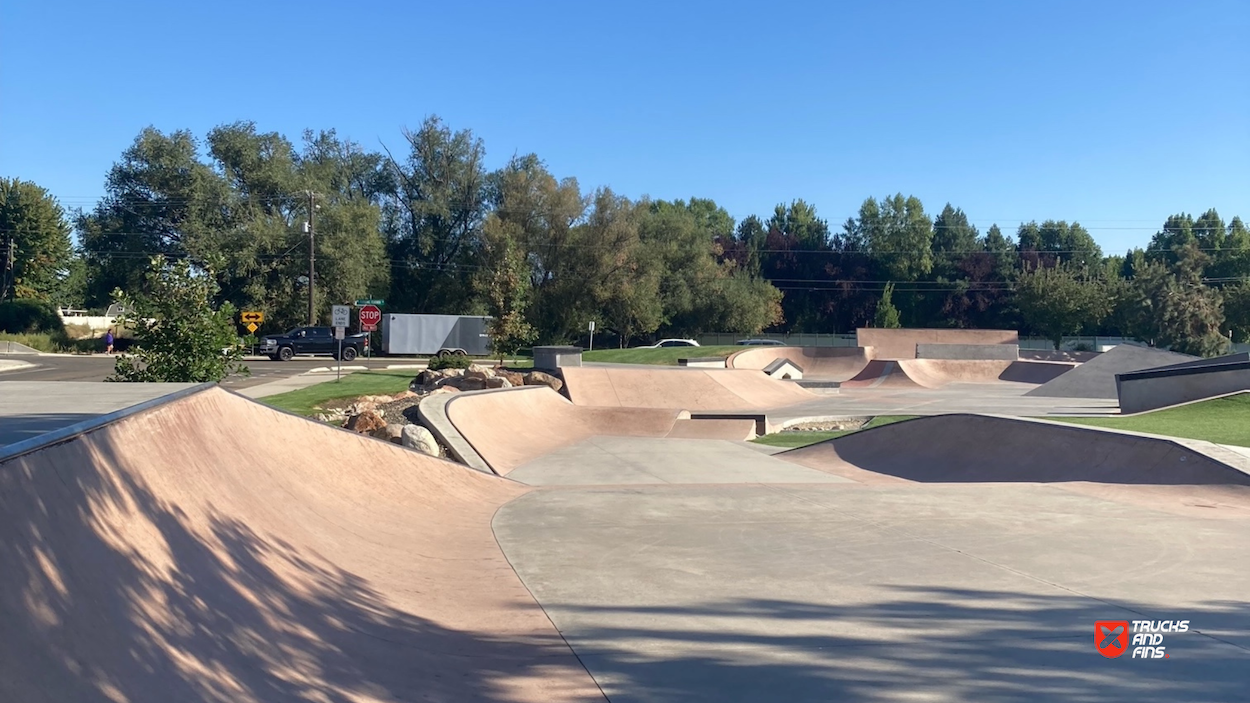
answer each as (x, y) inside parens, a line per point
(832, 363)
(213, 549)
(511, 427)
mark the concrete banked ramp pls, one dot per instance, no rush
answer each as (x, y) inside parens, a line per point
(833, 363)
(215, 549)
(857, 367)
(510, 428)
(982, 448)
(695, 390)
(1096, 377)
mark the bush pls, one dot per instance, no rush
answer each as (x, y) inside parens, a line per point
(30, 317)
(453, 361)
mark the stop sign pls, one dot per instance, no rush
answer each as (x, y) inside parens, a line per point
(370, 316)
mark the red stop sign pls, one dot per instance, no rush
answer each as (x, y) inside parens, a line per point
(370, 316)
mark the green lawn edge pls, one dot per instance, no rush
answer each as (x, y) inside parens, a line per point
(664, 356)
(1220, 420)
(305, 401)
(796, 439)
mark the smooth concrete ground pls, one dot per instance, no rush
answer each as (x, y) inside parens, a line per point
(991, 398)
(30, 409)
(824, 592)
(645, 460)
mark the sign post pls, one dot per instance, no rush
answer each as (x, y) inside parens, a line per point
(341, 316)
(592, 336)
(370, 316)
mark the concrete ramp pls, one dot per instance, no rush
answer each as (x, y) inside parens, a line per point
(213, 549)
(680, 389)
(1096, 377)
(881, 374)
(824, 363)
(983, 448)
(510, 428)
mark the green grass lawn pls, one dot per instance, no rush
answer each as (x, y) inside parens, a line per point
(57, 344)
(665, 356)
(793, 440)
(305, 400)
(1222, 420)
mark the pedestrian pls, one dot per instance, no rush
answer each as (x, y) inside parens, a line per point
(108, 341)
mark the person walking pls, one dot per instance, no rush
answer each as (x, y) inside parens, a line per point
(108, 341)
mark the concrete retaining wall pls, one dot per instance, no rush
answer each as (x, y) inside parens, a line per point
(901, 343)
(1158, 388)
(970, 352)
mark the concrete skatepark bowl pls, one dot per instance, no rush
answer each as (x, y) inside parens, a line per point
(213, 549)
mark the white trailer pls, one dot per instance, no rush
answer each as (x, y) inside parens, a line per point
(435, 334)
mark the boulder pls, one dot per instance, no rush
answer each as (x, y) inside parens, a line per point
(539, 378)
(418, 438)
(403, 395)
(445, 389)
(366, 422)
(514, 378)
(335, 417)
(479, 370)
(391, 433)
(497, 382)
(471, 383)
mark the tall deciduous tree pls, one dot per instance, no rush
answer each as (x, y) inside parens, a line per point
(505, 284)
(434, 217)
(1060, 300)
(34, 223)
(886, 315)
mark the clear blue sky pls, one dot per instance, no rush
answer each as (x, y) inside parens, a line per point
(1115, 114)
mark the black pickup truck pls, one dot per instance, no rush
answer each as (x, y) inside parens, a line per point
(312, 340)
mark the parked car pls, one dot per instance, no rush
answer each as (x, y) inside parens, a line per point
(670, 343)
(760, 343)
(312, 340)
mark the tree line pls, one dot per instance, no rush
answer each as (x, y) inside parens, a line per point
(429, 228)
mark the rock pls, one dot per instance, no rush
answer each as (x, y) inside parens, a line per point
(403, 395)
(514, 378)
(391, 433)
(539, 378)
(471, 383)
(366, 422)
(498, 382)
(418, 438)
(485, 371)
(476, 375)
(445, 389)
(333, 418)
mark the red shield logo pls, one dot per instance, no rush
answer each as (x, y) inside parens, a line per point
(1111, 637)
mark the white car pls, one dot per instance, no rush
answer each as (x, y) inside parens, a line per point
(760, 343)
(670, 343)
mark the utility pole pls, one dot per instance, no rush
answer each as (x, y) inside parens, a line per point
(10, 259)
(312, 257)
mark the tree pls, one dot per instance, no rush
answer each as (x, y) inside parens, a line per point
(1173, 308)
(1056, 240)
(954, 239)
(33, 221)
(886, 315)
(504, 281)
(899, 236)
(180, 336)
(1059, 300)
(434, 217)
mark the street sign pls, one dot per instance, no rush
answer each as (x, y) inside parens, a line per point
(338, 333)
(251, 327)
(592, 325)
(341, 316)
(370, 316)
(362, 303)
(252, 316)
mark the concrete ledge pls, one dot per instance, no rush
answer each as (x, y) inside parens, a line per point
(432, 411)
(1152, 389)
(813, 383)
(761, 420)
(969, 352)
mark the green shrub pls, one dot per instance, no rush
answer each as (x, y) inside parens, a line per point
(454, 361)
(30, 316)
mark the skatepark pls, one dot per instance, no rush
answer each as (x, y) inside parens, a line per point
(621, 539)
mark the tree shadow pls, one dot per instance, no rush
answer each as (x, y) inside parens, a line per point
(108, 591)
(919, 643)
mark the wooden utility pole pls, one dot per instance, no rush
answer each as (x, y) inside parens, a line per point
(312, 267)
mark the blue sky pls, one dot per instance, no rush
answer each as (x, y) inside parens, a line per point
(1115, 114)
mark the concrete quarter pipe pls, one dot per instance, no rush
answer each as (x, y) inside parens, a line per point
(215, 549)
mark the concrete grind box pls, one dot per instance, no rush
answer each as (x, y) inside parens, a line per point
(552, 358)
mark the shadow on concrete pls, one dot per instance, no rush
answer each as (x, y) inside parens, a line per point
(204, 610)
(941, 644)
